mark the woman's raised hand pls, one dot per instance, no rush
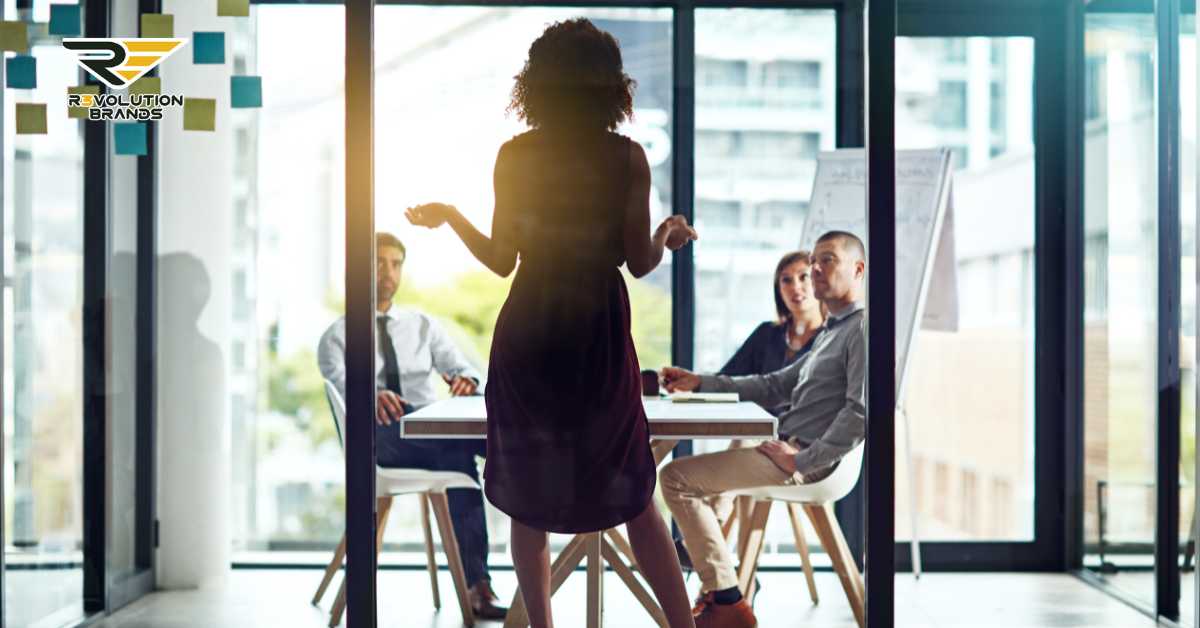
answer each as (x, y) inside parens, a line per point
(431, 215)
(679, 233)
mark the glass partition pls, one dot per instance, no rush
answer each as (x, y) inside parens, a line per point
(43, 353)
(969, 395)
(1120, 299)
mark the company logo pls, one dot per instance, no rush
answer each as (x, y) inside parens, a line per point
(119, 62)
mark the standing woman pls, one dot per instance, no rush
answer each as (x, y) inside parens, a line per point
(568, 444)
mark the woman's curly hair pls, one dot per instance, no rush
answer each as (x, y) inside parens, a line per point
(573, 77)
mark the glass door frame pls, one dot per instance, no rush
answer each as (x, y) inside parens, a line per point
(103, 593)
(1168, 401)
(1057, 302)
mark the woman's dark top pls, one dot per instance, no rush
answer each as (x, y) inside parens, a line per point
(764, 351)
(568, 445)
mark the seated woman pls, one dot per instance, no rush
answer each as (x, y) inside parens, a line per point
(776, 344)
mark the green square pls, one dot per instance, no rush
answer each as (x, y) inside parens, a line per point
(233, 8)
(14, 36)
(31, 118)
(147, 85)
(81, 112)
(199, 114)
(158, 25)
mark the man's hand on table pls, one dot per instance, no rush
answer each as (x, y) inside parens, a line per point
(389, 407)
(460, 386)
(676, 379)
(781, 453)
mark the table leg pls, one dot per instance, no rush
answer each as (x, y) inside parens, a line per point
(622, 545)
(595, 579)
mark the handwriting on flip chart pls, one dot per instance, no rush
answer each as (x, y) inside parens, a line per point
(926, 278)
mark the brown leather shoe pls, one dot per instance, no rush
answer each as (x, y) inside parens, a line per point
(737, 615)
(483, 601)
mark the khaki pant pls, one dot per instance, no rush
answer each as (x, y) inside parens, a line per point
(696, 487)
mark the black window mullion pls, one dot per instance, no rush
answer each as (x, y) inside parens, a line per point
(1166, 544)
(146, 365)
(360, 315)
(683, 139)
(96, 239)
(881, 304)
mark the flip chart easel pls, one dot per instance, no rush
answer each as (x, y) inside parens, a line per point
(926, 273)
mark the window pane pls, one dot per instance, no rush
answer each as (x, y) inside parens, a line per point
(286, 281)
(1120, 318)
(756, 155)
(756, 152)
(969, 393)
(43, 362)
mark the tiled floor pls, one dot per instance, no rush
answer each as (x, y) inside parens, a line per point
(1140, 586)
(280, 598)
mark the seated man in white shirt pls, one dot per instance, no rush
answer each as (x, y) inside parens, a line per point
(412, 346)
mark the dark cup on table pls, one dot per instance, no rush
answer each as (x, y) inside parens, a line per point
(650, 383)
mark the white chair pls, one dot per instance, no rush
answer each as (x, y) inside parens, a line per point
(817, 500)
(430, 487)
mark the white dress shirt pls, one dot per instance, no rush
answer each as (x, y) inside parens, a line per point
(422, 347)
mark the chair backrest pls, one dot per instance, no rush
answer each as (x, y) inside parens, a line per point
(337, 407)
(845, 476)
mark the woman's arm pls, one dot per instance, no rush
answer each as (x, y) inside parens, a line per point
(497, 252)
(642, 253)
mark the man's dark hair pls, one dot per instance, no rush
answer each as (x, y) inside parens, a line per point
(384, 238)
(848, 241)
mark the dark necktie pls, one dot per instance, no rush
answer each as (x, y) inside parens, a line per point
(391, 367)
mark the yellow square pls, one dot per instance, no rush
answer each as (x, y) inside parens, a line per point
(147, 85)
(31, 118)
(14, 36)
(158, 25)
(81, 112)
(233, 8)
(199, 114)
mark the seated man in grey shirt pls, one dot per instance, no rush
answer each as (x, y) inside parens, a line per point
(825, 419)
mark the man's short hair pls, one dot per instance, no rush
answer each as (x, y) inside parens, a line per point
(848, 241)
(384, 238)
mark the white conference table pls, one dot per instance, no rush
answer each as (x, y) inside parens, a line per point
(670, 422)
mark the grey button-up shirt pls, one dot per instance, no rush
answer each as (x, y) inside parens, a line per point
(823, 391)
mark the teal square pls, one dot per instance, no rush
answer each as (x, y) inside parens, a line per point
(208, 47)
(246, 91)
(65, 20)
(129, 138)
(20, 72)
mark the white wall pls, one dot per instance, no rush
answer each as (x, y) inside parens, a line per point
(194, 245)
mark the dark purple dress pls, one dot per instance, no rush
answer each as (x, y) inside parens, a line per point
(568, 444)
